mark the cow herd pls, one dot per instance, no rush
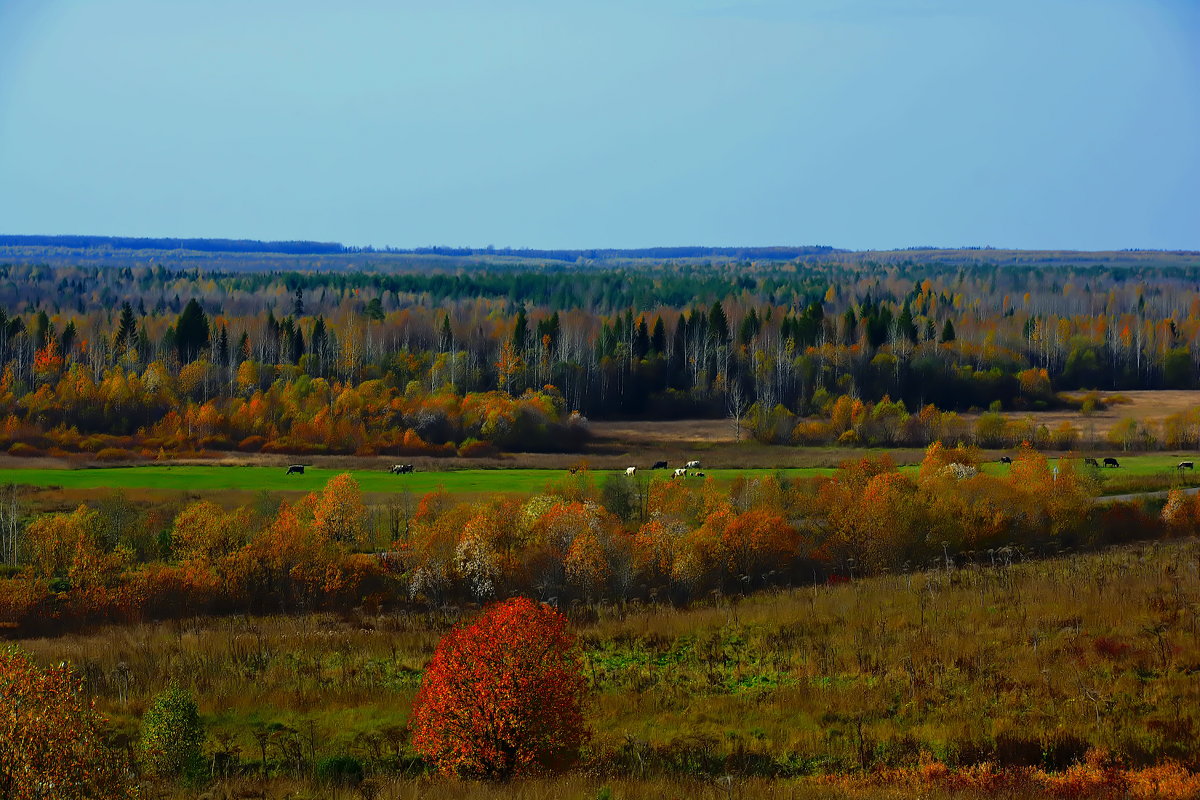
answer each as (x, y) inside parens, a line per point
(405, 469)
(677, 472)
(691, 468)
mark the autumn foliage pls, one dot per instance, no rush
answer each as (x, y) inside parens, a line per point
(51, 740)
(503, 696)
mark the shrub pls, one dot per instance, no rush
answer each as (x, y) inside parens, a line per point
(24, 450)
(172, 734)
(50, 736)
(342, 770)
(251, 444)
(473, 448)
(502, 696)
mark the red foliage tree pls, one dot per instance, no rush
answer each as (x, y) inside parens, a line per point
(51, 740)
(503, 696)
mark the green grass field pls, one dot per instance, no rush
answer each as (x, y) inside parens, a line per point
(468, 481)
(215, 478)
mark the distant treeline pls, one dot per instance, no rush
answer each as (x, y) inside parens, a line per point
(201, 245)
(325, 248)
(740, 253)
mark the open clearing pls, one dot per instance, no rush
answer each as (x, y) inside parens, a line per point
(201, 479)
(716, 435)
(1143, 405)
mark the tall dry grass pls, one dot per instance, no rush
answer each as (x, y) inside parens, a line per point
(1016, 664)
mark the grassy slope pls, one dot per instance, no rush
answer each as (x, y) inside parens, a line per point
(1003, 663)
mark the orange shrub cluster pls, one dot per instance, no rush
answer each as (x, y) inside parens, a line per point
(126, 412)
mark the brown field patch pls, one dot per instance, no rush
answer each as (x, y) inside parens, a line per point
(1141, 405)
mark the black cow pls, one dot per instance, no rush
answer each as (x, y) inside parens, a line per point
(659, 465)
(1005, 460)
(401, 469)
(1090, 462)
(1186, 465)
(1111, 462)
(295, 469)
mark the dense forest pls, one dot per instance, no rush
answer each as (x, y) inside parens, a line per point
(429, 360)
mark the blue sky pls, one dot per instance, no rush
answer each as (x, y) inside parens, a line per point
(854, 123)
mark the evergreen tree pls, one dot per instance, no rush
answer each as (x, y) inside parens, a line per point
(319, 337)
(223, 345)
(126, 335)
(749, 328)
(43, 331)
(521, 331)
(191, 332)
(850, 326)
(948, 331)
(297, 350)
(658, 338)
(718, 323)
(641, 340)
(68, 337)
(908, 328)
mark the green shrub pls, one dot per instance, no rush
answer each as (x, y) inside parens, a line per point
(172, 734)
(344, 770)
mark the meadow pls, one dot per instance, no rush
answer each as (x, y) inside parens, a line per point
(1148, 472)
(885, 687)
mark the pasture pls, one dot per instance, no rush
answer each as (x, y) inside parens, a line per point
(258, 478)
(255, 478)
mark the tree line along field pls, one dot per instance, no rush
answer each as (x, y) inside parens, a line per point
(205, 479)
(994, 679)
(135, 363)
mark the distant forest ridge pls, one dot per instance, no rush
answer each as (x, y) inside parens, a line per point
(336, 248)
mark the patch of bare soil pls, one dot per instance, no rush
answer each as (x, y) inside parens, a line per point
(665, 431)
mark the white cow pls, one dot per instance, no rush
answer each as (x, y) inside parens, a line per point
(680, 472)
(692, 465)
(631, 470)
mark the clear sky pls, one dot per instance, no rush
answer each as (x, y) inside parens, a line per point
(616, 123)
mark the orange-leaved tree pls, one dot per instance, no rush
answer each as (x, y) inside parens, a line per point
(504, 695)
(51, 739)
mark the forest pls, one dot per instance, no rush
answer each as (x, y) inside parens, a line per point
(137, 362)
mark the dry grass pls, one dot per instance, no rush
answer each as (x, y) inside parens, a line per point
(1030, 663)
(1142, 405)
(573, 787)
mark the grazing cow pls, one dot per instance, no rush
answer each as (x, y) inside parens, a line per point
(680, 472)
(631, 470)
(1111, 462)
(692, 465)
(1005, 460)
(1186, 465)
(401, 469)
(697, 474)
(659, 465)
(1090, 462)
(295, 469)
(572, 470)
